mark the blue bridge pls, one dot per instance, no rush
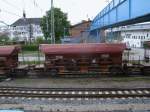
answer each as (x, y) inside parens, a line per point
(121, 13)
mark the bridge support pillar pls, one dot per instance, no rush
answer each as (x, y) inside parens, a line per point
(102, 35)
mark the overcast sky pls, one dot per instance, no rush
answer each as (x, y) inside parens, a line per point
(77, 10)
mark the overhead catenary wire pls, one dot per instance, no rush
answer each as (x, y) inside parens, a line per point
(8, 12)
(37, 5)
(12, 5)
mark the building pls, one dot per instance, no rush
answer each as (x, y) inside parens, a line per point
(77, 29)
(4, 30)
(133, 35)
(26, 29)
(78, 33)
(68, 40)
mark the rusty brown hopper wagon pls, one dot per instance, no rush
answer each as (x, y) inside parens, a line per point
(8, 58)
(83, 58)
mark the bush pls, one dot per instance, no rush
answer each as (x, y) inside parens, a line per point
(39, 40)
(30, 47)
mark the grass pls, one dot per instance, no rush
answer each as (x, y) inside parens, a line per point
(126, 79)
(31, 53)
(31, 62)
(86, 81)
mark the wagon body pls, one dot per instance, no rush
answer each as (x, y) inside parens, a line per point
(82, 57)
(8, 58)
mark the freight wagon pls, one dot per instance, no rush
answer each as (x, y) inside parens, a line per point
(83, 58)
(8, 59)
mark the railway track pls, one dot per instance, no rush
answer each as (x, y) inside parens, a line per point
(12, 92)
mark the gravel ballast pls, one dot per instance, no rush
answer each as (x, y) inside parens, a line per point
(132, 82)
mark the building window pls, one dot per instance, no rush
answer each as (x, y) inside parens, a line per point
(128, 35)
(142, 37)
(147, 35)
(135, 46)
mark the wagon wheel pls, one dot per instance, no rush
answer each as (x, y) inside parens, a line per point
(115, 70)
(54, 72)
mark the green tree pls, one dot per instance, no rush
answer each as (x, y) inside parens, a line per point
(39, 40)
(15, 39)
(61, 24)
(4, 39)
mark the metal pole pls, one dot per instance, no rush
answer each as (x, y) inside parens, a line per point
(30, 32)
(39, 57)
(64, 32)
(52, 23)
(47, 26)
(23, 57)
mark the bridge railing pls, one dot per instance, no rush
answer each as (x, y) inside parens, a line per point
(118, 11)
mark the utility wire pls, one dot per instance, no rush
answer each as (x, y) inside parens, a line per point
(10, 4)
(37, 5)
(11, 13)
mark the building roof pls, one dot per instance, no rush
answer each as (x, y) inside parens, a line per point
(61, 49)
(83, 22)
(135, 27)
(23, 22)
(8, 50)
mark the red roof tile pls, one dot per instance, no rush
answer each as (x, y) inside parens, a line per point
(82, 48)
(7, 50)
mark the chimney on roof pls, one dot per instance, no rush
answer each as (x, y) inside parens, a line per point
(89, 19)
(24, 14)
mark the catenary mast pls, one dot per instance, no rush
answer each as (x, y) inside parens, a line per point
(52, 23)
